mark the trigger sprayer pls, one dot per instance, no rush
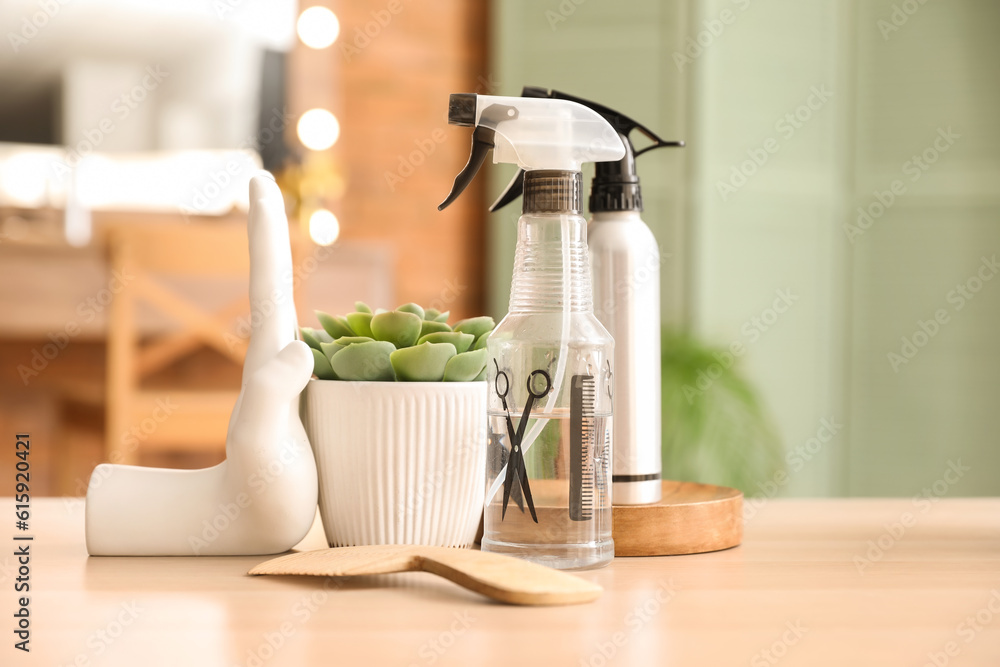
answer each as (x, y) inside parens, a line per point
(625, 260)
(549, 361)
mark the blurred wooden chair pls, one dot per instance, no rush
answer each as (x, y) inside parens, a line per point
(150, 260)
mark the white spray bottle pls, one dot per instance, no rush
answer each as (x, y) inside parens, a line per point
(550, 360)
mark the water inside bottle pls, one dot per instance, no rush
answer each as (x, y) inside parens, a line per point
(569, 476)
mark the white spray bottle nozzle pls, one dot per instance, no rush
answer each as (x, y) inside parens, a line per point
(533, 133)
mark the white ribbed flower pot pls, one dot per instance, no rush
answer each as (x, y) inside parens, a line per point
(398, 462)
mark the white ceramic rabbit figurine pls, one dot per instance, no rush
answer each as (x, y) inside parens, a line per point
(262, 498)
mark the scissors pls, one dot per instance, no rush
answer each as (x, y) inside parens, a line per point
(515, 463)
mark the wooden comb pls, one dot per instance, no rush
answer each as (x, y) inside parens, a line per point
(496, 576)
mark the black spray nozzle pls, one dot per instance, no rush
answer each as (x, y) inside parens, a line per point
(482, 142)
(616, 172)
(462, 111)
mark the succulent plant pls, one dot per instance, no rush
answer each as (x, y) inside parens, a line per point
(409, 344)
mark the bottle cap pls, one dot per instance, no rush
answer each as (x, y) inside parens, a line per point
(616, 185)
(553, 191)
(535, 134)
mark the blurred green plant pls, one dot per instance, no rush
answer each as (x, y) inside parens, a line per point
(410, 344)
(715, 427)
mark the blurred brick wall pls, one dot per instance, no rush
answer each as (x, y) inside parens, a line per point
(387, 78)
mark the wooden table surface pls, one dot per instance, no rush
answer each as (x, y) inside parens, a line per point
(816, 582)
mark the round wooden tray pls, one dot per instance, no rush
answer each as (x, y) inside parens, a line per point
(690, 519)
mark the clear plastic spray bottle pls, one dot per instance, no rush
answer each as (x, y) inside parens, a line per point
(551, 362)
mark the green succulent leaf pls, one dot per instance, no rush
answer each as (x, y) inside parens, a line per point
(480, 343)
(442, 317)
(461, 341)
(429, 326)
(364, 361)
(361, 323)
(477, 326)
(321, 366)
(313, 337)
(482, 374)
(335, 326)
(465, 367)
(431, 313)
(352, 340)
(362, 307)
(402, 329)
(422, 363)
(308, 337)
(330, 349)
(414, 308)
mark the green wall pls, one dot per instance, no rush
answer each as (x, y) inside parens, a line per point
(879, 96)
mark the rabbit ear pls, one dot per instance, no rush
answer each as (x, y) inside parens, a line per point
(272, 319)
